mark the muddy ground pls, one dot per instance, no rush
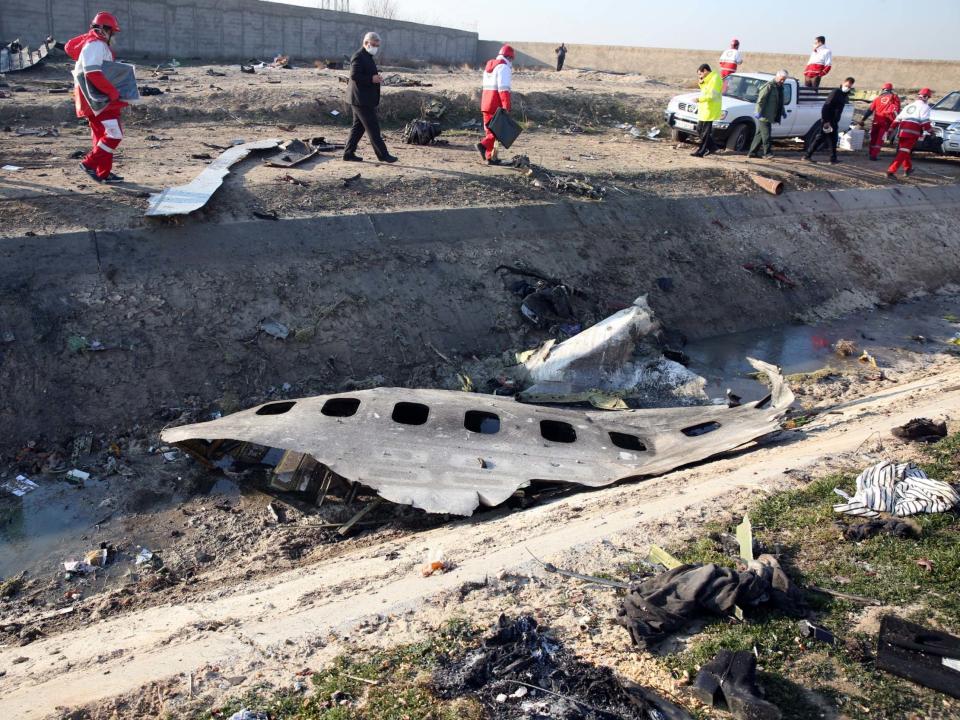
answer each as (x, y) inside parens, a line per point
(237, 593)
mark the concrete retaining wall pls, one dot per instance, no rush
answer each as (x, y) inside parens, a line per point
(680, 66)
(233, 30)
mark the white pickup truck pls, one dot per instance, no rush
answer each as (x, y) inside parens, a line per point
(737, 125)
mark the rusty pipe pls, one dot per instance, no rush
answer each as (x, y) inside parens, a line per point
(774, 187)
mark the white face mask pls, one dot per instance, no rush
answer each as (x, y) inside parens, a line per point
(845, 89)
(373, 50)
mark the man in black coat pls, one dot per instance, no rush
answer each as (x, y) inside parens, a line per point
(829, 131)
(364, 95)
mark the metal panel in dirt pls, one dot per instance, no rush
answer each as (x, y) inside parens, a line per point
(449, 452)
(184, 199)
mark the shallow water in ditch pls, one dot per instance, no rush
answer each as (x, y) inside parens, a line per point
(889, 334)
(58, 521)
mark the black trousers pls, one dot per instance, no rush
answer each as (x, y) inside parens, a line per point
(707, 144)
(829, 139)
(365, 120)
(560, 59)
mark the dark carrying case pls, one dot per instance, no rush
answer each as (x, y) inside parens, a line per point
(504, 128)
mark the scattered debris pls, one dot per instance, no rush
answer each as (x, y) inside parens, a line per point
(868, 359)
(123, 76)
(184, 199)
(19, 486)
(618, 356)
(92, 561)
(770, 185)
(80, 475)
(149, 90)
(778, 275)
(520, 671)
(12, 168)
(143, 556)
(662, 604)
(845, 348)
(921, 430)
(274, 328)
(395, 80)
(421, 132)
(568, 446)
(815, 632)
(249, 715)
(265, 215)
(38, 132)
(435, 564)
(898, 488)
(867, 530)
(731, 678)
(15, 57)
(927, 657)
(563, 184)
(294, 152)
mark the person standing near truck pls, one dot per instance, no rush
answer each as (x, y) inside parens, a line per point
(561, 56)
(829, 131)
(884, 108)
(912, 122)
(770, 110)
(819, 63)
(730, 59)
(91, 51)
(709, 108)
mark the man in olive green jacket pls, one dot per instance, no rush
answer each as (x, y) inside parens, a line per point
(769, 111)
(709, 108)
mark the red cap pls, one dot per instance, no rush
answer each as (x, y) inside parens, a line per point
(507, 52)
(887, 86)
(925, 91)
(735, 43)
(106, 20)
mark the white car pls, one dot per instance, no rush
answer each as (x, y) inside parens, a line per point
(737, 125)
(945, 118)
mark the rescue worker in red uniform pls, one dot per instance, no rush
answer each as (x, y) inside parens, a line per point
(90, 51)
(912, 122)
(819, 63)
(497, 77)
(730, 59)
(884, 108)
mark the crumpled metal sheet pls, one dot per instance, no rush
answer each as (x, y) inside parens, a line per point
(184, 199)
(613, 357)
(22, 58)
(442, 467)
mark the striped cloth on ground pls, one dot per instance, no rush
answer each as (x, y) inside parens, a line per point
(897, 488)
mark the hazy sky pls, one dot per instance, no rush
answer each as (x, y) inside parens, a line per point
(852, 27)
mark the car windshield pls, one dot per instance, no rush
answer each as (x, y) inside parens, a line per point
(744, 88)
(951, 103)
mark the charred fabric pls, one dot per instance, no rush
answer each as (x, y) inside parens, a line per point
(450, 452)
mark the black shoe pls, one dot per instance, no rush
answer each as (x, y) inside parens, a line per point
(874, 159)
(891, 175)
(494, 161)
(113, 179)
(91, 172)
(352, 157)
(908, 173)
(809, 159)
(696, 153)
(482, 150)
(834, 161)
(706, 687)
(739, 688)
(388, 159)
(755, 157)
(769, 156)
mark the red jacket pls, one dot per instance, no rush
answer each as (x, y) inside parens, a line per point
(90, 51)
(885, 107)
(497, 77)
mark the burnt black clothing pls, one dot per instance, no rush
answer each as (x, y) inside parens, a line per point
(365, 120)
(832, 109)
(362, 90)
